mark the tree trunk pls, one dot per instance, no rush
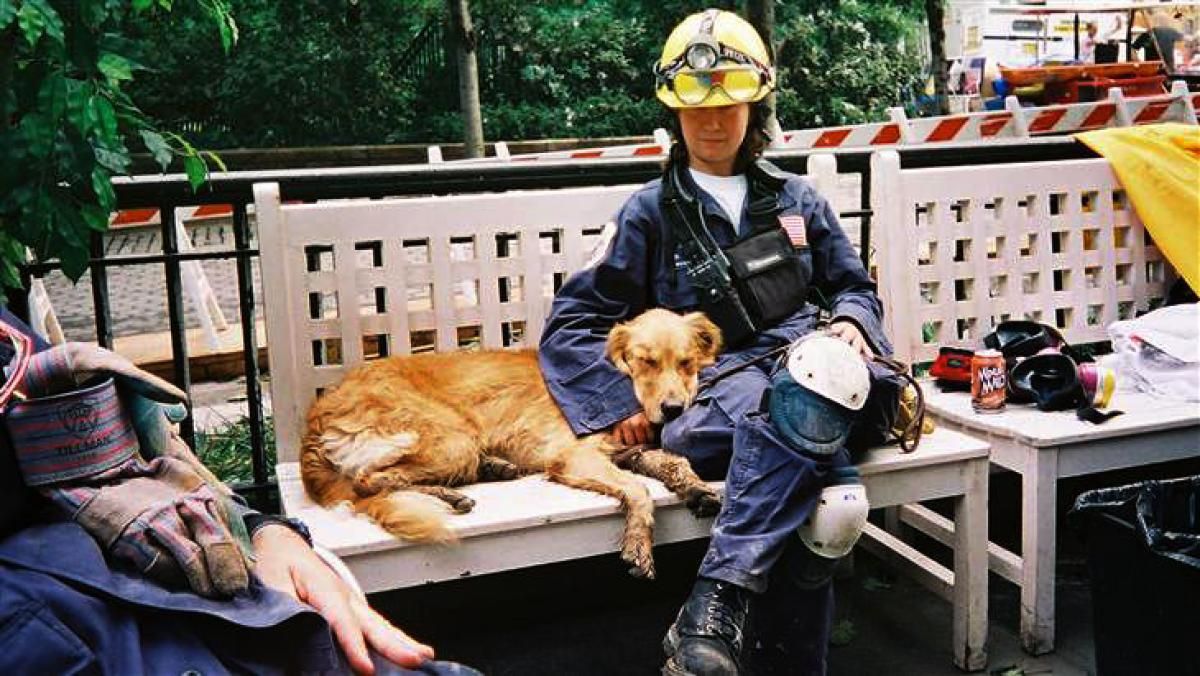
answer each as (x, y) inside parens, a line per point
(761, 14)
(462, 32)
(935, 13)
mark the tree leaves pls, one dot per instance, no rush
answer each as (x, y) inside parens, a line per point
(37, 131)
(66, 123)
(115, 67)
(102, 186)
(37, 17)
(52, 97)
(116, 161)
(196, 170)
(8, 11)
(157, 145)
(102, 118)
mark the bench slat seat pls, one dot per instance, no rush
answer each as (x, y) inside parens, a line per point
(532, 501)
(530, 521)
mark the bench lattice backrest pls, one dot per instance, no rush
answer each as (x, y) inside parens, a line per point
(961, 248)
(349, 281)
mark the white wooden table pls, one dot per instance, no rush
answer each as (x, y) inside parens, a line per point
(1043, 447)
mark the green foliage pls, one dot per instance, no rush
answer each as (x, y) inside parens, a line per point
(316, 72)
(570, 71)
(226, 451)
(846, 63)
(843, 633)
(305, 72)
(66, 122)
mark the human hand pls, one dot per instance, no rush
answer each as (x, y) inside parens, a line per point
(285, 562)
(633, 430)
(848, 332)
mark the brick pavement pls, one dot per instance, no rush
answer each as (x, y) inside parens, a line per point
(137, 294)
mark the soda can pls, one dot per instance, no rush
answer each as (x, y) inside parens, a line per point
(989, 382)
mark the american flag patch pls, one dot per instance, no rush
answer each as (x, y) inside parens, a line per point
(794, 227)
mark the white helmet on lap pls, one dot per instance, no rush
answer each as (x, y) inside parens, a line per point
(831, 368)
(815, 398)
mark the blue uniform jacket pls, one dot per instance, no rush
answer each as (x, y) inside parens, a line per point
(63, 610)
(635, 273)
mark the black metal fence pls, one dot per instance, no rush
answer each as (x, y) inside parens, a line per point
(167, 192)
(430, 64)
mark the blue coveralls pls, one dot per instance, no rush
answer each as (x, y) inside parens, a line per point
(770, 488)
(64, 609)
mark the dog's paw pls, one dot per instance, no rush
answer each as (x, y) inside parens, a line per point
(703, 502)
(366, 485)
(640, 558)
(461, 504)
(497, 469)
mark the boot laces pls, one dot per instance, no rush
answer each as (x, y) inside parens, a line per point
(725, 615)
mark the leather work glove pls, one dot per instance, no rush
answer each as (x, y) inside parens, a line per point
(161, 517)
(115, 464)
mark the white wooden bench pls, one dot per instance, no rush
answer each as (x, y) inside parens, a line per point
(342, 278)
(1057, 242)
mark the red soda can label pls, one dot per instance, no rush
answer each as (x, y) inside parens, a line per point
(989, 381)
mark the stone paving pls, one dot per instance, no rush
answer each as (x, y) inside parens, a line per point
(138, 295)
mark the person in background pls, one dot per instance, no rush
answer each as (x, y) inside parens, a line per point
(1158, 43)
(1087, 45)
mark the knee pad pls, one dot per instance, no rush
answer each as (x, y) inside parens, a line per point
(838, 518)
(816, 397)
(832, 529)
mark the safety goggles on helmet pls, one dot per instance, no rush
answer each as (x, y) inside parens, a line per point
(742, 84)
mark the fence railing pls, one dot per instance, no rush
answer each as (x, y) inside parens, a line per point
(166, 193)
(1014, 123)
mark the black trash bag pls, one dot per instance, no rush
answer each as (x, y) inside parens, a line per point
(1165, 513)
(1144, 563)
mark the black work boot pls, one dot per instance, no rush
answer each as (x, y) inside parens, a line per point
(706, 639)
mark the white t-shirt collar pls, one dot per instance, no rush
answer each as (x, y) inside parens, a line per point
(729, 191)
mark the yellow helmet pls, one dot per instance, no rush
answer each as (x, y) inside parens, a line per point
(713, 58)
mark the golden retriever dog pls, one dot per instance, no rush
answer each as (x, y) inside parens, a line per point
(398, 434)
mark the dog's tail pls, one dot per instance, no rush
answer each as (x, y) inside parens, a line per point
(409, 515)
(405, 514)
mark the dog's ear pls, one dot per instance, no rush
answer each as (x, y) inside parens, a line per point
(618, 343)
(706, 335)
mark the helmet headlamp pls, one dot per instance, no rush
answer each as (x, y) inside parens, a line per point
(703, 53)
